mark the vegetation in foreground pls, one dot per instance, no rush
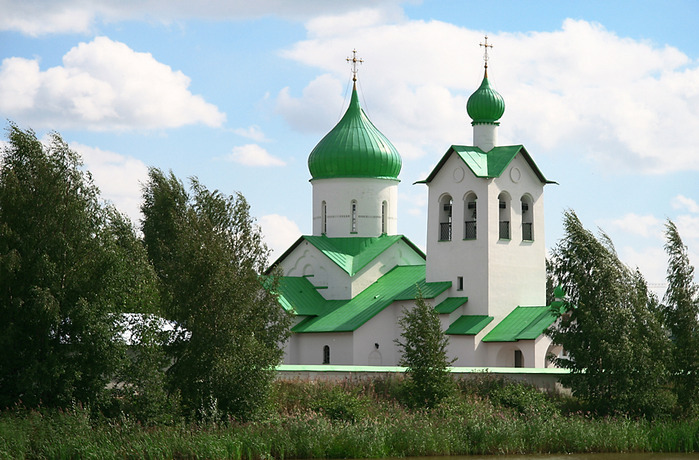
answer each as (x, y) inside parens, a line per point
(353, 420)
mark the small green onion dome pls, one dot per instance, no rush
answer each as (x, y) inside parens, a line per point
(485, 105)
(354, 148)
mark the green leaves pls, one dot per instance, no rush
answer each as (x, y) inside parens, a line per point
(209, 257)
(424, 349)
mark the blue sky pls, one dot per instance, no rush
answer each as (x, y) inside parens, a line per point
(604, 95)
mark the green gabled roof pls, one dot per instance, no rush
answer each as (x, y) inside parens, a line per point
(487, 164)
(298, 295)
(468, 325)
(353, 253)
(354, 148)
(450, 304)
(394, 285)
(523, 323)
(350, 254)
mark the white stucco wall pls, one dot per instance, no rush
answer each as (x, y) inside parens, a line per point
(369, 193)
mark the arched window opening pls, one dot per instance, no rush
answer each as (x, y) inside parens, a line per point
(324, 218)
(470, 217)
(527, 219)
(504, 208)
(384, 218)
(519, 358)
(353, 214)
(445, 208)
(326, 354)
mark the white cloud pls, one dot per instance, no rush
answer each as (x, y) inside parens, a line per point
(645, 226)
(627, 105)
(118, 177)
(279, 232)
(651, 261)
(253, 132)
(316, 108)
(253, 155)
(102, 85)
(38, 17)
(684, 203)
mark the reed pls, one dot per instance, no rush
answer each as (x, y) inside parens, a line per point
(349, 420)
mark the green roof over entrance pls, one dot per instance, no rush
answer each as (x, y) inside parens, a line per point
(468, 325)
(523, 323)
(450, 304)
(354, 148)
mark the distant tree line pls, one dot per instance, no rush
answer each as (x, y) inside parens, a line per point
(174, 320)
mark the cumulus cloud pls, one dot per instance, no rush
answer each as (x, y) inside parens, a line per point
(253, 132)
(253, 155)
(38, 17)
(635, 224)
(626, 105)
(279, 232)
(684, 203)
(118, 177)
(102, 85)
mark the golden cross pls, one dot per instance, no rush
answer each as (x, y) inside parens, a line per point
(486, 45)
(354, 62)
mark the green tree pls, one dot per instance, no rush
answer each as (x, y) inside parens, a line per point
(64, 279)
(424, 348)
(209, 257)
(681, 307)
(616, 345)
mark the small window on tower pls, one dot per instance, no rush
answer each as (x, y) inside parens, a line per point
(353, 211)
(459, 283)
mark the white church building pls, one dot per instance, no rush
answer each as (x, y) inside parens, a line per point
(484, 271)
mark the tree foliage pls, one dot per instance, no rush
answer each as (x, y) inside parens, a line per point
(611, 328)
(424, 348)
(69, 266)
(681, 308)
(209, 257)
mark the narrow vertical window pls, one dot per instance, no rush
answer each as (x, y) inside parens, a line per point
(326, 354)
(527, 219)
(459, 283)
(353, 212)
(504, 208)
(384, 218)
(519, 359)
(470, 217)
(445, 214)
(324, 218)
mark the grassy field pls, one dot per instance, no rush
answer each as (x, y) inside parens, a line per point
(351, 420)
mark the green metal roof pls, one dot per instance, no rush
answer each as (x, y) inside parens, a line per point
(353, 253)
(298, 295)
(354, 148)
(450, 304)
(523, 323)
(468, 325)
(487, 164)
(398, 284)
(485, 105)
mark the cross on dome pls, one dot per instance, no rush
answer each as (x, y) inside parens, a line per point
(354, 60)
(486, 45)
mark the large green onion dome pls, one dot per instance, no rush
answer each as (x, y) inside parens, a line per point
(354, 148)
(485, 105)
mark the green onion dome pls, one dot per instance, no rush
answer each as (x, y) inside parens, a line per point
(485, 105)
(354, 148)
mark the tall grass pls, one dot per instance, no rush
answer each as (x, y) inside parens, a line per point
(350, 420)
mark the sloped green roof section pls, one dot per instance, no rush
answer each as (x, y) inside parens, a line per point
(353, 254)
(468, 325)
(298, 295)
(394, 285)
(354, 148)
(523, 323)
(450, 304)
(487, 164)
